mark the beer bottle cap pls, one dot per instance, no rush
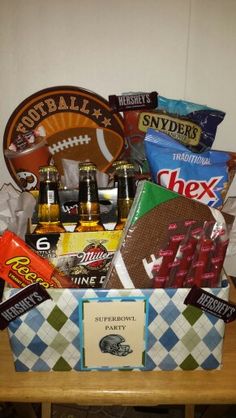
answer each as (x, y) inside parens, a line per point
(125, 166)
(117, 163)
(87, 166)
(48, 168)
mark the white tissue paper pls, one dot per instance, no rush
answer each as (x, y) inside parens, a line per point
(70, 179)
(230, 258)
(16, 208)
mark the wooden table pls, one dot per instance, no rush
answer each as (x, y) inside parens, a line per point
(122, 388)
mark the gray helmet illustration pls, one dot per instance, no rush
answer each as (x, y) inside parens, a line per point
(112, 344)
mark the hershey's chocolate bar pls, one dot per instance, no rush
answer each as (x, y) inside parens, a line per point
(21, 302)
(211, 303)
(133, 101)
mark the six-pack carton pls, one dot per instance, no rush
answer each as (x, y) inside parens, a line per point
(84, 256)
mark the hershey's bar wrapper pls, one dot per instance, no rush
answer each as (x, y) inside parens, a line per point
(211, 303)
(21, 302)
(133, 101)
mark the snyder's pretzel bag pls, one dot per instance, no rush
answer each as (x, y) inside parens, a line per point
(21, 266)
(149, 235)
(191, 124)
(205, 177)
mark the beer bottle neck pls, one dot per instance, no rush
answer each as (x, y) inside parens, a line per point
(126, 187)
(125, 194)
(48, 193)
(88, 207)
(49, 214)
(88, 191)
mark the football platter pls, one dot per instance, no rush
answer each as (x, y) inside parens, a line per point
(79, 125)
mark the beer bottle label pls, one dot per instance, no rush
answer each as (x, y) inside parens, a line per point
(49, 193)
(50, 196)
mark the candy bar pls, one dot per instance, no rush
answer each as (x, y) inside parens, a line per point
(21, 302)
(210, 303)
(132, 101)
(21, 266)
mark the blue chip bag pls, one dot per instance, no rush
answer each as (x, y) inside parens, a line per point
(192, 124)
(205, 177)
(206, 119)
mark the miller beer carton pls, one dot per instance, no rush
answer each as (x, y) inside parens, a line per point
(83, 256)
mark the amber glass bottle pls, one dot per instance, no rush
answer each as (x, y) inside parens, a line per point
(88, 205)
(49, 213)
(126, 191)
(114, 167)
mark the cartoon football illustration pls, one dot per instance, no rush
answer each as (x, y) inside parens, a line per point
(102, 146)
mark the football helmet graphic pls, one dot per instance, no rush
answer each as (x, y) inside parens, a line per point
(112, 344)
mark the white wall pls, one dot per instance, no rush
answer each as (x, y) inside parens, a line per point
(181, 48)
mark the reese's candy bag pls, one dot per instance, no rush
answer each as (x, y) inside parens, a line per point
(205, 177)
(21, 266)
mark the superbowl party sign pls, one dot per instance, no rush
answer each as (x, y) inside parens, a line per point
(79, 125)
(113, 333)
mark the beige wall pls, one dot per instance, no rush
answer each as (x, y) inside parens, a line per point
(181, 48)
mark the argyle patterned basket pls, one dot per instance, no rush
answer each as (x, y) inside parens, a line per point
(176, 337)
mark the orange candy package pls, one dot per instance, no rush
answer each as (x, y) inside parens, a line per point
(21, 266)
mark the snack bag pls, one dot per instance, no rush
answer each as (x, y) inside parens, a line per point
(21, 266)
(191, 124)
(205, 177)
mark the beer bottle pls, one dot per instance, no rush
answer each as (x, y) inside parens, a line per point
(49, 214)
(88, 205)
(113, 174)
(126, 191)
